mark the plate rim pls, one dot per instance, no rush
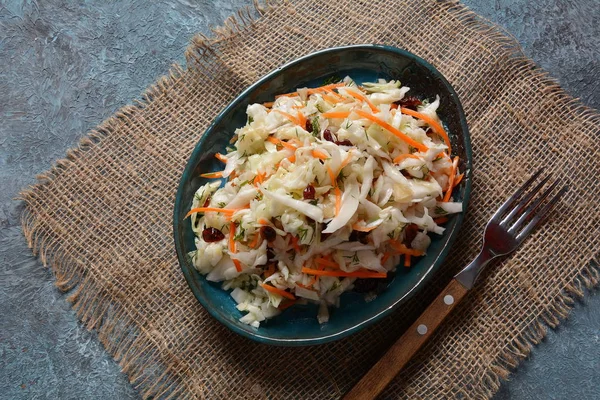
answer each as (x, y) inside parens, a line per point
(427, 274)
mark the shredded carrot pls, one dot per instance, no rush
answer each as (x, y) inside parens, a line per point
(327, 263)
(289, 116)
(346, 160)
(440, 220)
(232, 237)
(319, 154)
(301, 119)
(232, 176)
(402, 249)
(212, 175)
(238, 265)
(451, 179)
(280, 292)
(226, 211)
(263, 221)
(362, 273)
(332, 176)
(292, 158)
(314, 90)
(269, 104)
(338, 200)
(220, 157)
(333, 94)
(336, 114)
(396, 132)
(402, 157)
(295, 244)
(286, 305)
(362, 97)
(255, 242)
(431, 122)
(276, 141)
(407, 260)
(308, 287)
(361, 228)
(458, 179)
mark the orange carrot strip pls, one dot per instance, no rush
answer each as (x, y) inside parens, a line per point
(231, 237)
(292, 158)
(333, 94)
(254, 243)
(405, 156)
(440, 220)
(289, 116)
(276, 141)
(458, 179)
(346, 160)
(402, 249)
(260, 178)
(338, 200)
(220, 157)
(263, 221)
(407, 260)
(308, 287)
(227, 211)
(319, 154)
(336, 114)
(295, 244)
(431, 122)
(360, 228)
(238, 265)
(327, 263)
(355, 274)
(396, 132)
(286, 305)
(362, 97)
(280, 292)
(332, 176)
(301, 119)
(212, 175)
(451, 179)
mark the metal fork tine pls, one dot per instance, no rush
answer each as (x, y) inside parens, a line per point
(540, 215)
(532, 207)
(524, 201)
(509, 203)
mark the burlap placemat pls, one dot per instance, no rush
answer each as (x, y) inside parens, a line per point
(101, 218)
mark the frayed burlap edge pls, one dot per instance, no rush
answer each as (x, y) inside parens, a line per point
(135, 351)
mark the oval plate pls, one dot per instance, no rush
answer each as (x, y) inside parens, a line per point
(298, 326)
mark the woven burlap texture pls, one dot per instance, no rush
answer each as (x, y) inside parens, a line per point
(101, 218)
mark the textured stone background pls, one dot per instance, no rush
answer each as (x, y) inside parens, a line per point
(68, 65)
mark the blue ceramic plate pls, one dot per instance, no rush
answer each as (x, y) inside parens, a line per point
(298, 326)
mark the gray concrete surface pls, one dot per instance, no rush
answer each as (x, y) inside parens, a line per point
(67, 65)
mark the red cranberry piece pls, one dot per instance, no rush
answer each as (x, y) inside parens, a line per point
(212, 235)
(410, 102)
(327, 135)
(309, 192)
(268, 233)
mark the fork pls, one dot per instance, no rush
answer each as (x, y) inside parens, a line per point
(504, 233)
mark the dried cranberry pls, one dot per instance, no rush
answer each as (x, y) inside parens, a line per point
(357, 236)
(207, 202)
(212, 235)
(309, 126)
(410, 232)
(409, 102)
(344, 142)
(309, 192)
(327, 135)
(268, 233)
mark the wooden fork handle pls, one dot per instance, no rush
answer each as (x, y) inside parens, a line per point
(380, 375)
